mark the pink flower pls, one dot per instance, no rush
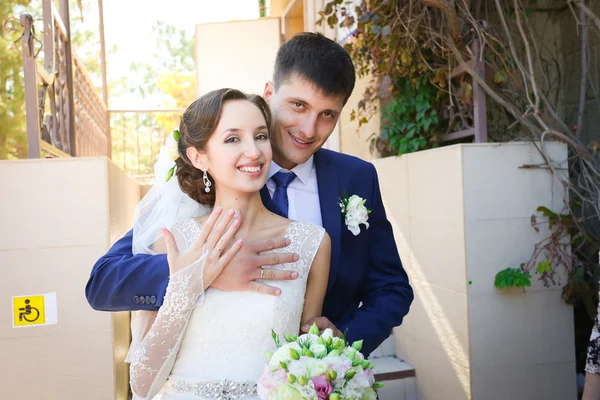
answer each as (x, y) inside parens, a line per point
(270, 381)
(322, 387)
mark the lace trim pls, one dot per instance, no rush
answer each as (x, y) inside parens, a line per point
(305, 241)
(151, 361)
(185, 233)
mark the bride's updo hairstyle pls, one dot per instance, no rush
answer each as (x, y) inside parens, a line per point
(198, 123)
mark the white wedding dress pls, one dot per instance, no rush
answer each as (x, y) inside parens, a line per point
(211, 345)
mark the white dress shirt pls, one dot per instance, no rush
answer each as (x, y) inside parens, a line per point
(303, 192)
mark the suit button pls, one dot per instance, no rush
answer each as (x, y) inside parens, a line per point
(136, 299)
(153, 299)
(142, 300)
(148, 300)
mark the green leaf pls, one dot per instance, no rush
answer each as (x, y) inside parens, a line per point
(510, 280)
(546, 211)
(499, 282)
(427, 123)
(544, 267)
(170, 173)
(176, 135)
(512, 277)
(500, 76)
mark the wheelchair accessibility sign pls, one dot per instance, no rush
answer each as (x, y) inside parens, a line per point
(35, 310)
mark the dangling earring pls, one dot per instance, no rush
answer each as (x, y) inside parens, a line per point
(207, 182)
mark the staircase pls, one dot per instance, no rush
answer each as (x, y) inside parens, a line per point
(397, 376)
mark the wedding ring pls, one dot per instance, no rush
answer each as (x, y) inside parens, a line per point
(262, 272)
(218, 249)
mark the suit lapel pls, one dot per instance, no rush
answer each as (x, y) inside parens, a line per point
(329, 196)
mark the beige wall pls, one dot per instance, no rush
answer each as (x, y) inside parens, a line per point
(278, 7)
(237, 54)
(58, 216)
(355, 140)
(461, 214)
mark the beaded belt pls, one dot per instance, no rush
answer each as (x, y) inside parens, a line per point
(217, 390)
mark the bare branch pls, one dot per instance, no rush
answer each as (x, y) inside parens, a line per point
(584, 70)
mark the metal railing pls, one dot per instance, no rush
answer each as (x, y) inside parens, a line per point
(137, 137)
(65, 116)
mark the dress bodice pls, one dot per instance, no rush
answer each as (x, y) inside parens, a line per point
(228, 332)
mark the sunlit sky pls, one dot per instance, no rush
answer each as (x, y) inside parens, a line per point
(129, 22)
(128, 25)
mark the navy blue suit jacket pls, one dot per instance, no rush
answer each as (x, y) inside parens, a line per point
(368, 291)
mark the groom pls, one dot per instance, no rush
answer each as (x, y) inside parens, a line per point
(368, 291)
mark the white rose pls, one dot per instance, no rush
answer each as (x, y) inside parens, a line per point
(319, 368)
(310, 337)
(318, 350)
(282, 354)
(356, 214)
(172, 148)
(327, 333)
(354, 202)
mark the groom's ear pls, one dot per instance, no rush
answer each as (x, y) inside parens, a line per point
(197, 158)
(269, 90)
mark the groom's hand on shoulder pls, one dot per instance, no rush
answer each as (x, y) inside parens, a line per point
(322, 323)
(244, 271)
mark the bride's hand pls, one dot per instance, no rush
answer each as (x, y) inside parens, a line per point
(215, 236)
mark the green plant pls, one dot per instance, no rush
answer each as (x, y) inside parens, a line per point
(567, 248)
(512, 277)
(409, 121)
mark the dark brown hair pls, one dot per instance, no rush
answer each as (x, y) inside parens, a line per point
(198, 124)
(318, 59)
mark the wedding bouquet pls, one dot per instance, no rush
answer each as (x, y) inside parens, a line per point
(317, 367)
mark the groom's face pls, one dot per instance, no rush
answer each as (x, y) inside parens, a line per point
(303, 119)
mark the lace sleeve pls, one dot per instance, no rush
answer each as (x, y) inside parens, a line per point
(153, 359)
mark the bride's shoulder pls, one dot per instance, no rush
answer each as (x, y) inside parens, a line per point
(308, 227)
(302, 231)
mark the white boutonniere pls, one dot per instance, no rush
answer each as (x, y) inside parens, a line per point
(172, 151)
(355, 213)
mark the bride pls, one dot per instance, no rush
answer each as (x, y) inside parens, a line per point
(204, 343)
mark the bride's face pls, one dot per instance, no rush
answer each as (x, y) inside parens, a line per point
(238, 153)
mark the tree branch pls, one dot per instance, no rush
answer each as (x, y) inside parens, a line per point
(584, 70)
